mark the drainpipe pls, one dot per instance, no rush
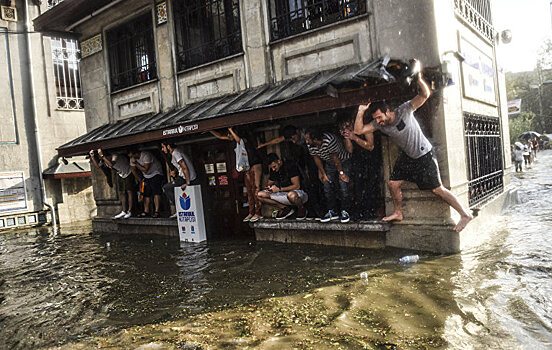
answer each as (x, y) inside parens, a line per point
(34, 114)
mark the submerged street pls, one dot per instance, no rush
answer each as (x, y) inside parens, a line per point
(82, 290)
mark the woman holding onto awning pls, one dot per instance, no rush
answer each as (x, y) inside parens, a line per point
(248, 162)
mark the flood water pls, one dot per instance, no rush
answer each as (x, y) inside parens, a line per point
(82, 290)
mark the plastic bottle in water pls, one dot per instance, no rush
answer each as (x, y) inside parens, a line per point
(409, 259)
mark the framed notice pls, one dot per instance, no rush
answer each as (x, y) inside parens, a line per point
(209, 168)
(478, 73)
(221, 167)
(13, 196)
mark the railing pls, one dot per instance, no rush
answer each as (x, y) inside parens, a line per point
(52, 3)
(478, 14)
(290, 17)
(485, 159)
(206, 31)
(65, 57)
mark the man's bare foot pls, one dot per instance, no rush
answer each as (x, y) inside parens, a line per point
(463, 222)
(393, 217)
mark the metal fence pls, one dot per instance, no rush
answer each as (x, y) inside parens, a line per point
(65, 57)
(206, 31)
(131, 53)
(289, 17)
(485, 158)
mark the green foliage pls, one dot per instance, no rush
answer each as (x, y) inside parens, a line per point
(525, 121)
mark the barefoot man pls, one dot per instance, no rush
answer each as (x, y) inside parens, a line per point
(416, 162)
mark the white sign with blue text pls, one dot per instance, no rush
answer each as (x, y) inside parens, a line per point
(189, 207)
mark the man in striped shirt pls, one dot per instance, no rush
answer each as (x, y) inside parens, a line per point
(334, 165)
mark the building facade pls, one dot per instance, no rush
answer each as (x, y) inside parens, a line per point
(41, 108)
(173, 70)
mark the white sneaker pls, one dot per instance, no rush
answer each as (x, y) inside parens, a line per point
(173, 216)
(120, 215)
(127, 215)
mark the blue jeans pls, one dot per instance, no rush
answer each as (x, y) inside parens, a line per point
(329, 188)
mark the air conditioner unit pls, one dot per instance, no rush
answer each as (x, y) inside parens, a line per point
(9, 13)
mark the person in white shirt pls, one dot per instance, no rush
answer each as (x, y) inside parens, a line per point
(152, 172)
(183, 174)
(126, 183)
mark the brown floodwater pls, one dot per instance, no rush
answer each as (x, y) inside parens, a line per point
(78, 289)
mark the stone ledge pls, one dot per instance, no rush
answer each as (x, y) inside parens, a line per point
(157, 226)
(370, 226)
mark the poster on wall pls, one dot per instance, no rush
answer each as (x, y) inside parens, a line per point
(12, 191)
(189, 208)
(478, 74)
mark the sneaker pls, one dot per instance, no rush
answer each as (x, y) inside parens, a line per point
(344, 216)
(127, 215)
(120, 215)
(173, 216)
(330, 215)
(301, 213)
(284, 213)
(255, 218)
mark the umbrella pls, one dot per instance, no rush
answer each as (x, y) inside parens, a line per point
(519, 144)
(529, 135)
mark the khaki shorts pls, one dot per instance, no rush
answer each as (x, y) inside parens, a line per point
(281, 197)
(126, 184)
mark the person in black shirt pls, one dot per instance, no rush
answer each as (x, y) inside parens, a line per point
(284, 188)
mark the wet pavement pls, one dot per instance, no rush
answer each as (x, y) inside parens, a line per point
(82, 290)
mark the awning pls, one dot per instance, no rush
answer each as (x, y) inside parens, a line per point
(69, 170)
(67, 12)
(322, 91)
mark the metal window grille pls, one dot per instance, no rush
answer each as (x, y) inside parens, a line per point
(478, 14)
(65, 57)
(52, 3)
(206, 30)
(289, 17)
(131, 53)
(485, 158)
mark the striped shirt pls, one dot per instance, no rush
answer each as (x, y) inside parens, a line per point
(330, 145)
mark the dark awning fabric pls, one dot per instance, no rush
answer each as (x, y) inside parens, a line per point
(69, 170)
(66, 13)
(322, 91)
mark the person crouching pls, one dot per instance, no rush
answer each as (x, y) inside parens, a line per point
(284, 188)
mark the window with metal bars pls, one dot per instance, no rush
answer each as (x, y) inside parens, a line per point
(289, 17)
(206, 30)
(485, 159)
(131, 53)
(65, 57)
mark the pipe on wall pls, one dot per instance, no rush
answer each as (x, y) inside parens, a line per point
(36, 134)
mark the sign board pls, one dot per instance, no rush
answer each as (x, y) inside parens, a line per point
(209, 168)
(514, 107)
(478, 73)
(12, 191)
(189, 207)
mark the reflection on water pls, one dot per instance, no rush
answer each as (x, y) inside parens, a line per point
(81, 289)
